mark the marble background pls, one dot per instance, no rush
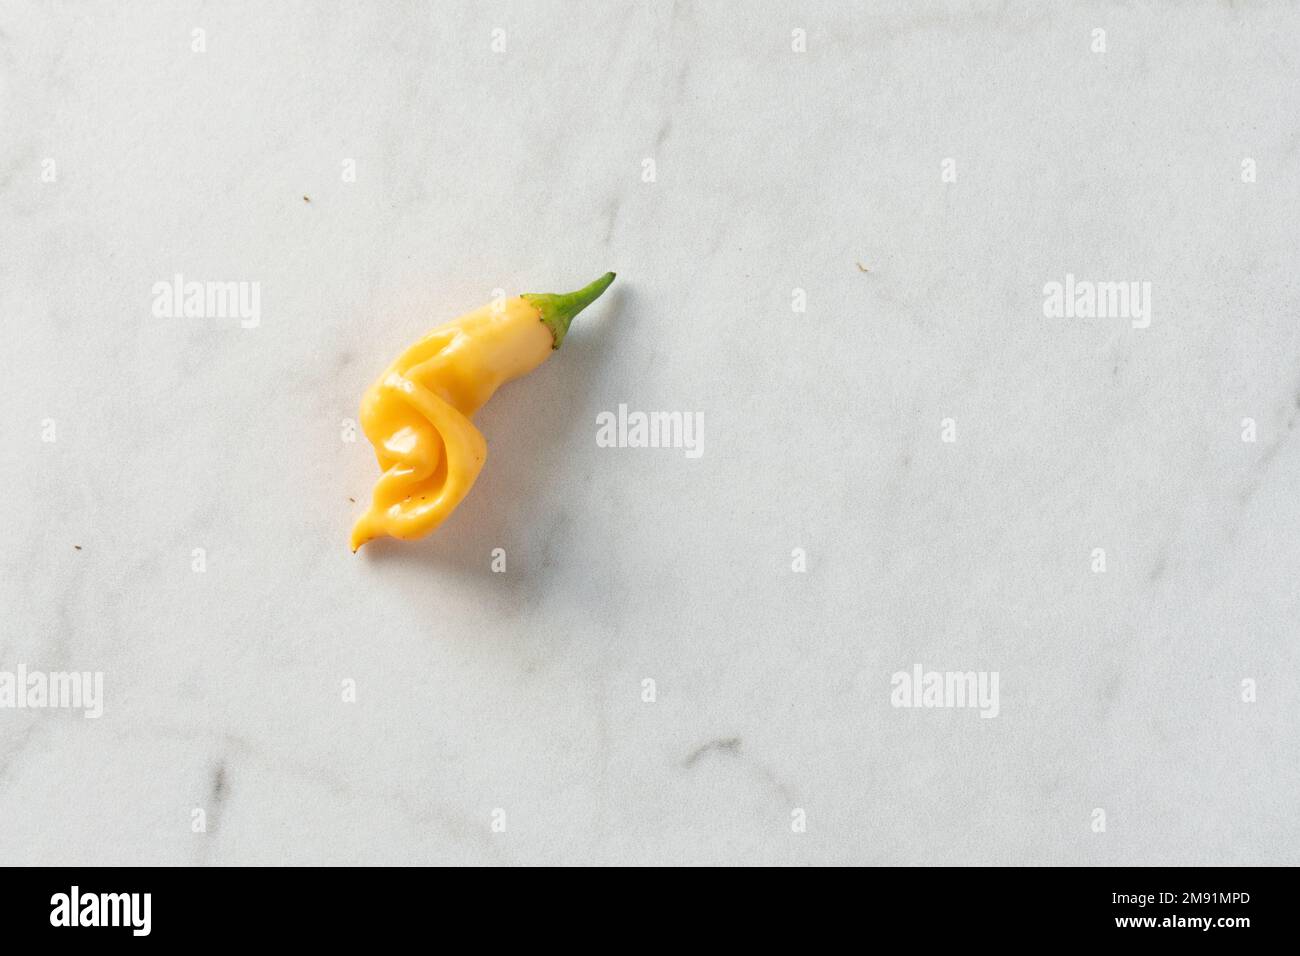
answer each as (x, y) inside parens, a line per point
(524, 169)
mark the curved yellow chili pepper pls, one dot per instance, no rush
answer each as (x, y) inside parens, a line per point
(417, 415)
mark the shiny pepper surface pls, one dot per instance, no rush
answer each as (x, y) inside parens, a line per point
(418, 413)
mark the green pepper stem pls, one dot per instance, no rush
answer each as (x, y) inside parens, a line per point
(557, 311)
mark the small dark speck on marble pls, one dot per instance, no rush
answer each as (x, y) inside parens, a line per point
(219, 784)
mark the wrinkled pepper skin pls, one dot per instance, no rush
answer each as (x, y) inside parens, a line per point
(418, 413)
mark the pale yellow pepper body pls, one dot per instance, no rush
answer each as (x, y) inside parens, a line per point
(417, 413)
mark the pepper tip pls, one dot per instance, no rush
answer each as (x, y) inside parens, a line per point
(558, 311)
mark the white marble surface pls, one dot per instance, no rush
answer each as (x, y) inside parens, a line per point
(775, 170)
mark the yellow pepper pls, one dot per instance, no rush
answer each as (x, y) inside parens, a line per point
(417, 414)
